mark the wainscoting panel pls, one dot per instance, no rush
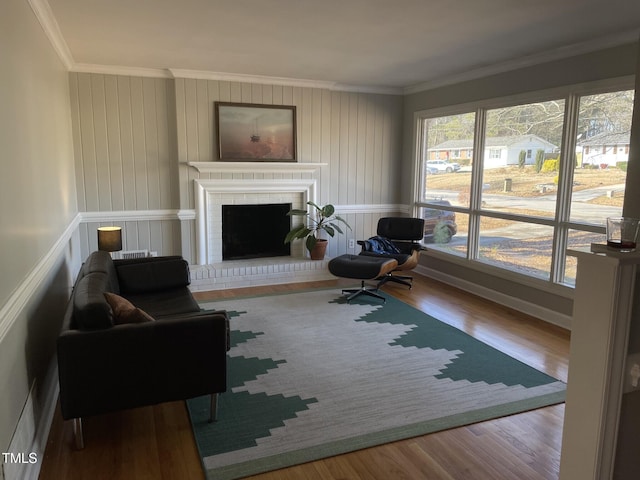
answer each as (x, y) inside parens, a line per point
(162, 235)
(134, 138)
(124, 142)
(357, 135)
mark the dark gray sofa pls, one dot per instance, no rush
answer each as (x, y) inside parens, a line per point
(104, 366)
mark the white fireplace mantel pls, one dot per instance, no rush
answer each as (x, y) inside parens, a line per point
(206, 192)
(257, 167)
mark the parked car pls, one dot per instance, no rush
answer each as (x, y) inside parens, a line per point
(443, 166)
(439, 225)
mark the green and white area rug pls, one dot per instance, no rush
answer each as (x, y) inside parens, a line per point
(311, 376)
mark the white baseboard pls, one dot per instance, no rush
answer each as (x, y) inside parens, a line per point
(32, 432)
(523, 306)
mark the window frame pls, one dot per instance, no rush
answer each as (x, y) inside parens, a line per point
(561, 223)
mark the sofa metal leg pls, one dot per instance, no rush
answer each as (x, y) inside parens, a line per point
(77, 433)
(213, 415)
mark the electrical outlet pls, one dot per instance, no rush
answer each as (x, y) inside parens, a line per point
(632, 373)
(352, 243)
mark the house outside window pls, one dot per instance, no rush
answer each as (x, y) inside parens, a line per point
(521, 220)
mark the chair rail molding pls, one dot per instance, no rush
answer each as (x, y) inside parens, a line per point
(137, 215)
(18, 301)
(374, 208)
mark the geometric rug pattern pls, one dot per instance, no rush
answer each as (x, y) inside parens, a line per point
(310, 376)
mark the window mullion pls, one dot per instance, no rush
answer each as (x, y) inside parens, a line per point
(419, 172)
(475, 200)
(565, 187)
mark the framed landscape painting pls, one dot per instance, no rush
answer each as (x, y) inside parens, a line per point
(256, 133)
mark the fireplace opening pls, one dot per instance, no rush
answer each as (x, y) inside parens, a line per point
(255, 231)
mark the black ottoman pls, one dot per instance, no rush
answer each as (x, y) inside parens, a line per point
(363, 268)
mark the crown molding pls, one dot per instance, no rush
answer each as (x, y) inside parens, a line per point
(286, 81)
(49, 24)
(529, 60)
(121, 70)
(177, 73)
(341, 87)
(47, 20)
(243, 78)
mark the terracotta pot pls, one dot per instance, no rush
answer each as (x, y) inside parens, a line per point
(319, 249)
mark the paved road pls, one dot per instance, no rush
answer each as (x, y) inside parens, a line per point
(580, 209)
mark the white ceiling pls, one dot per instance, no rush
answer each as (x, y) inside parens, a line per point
(375, 44)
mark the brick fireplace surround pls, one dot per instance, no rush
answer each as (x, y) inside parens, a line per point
(243, 183)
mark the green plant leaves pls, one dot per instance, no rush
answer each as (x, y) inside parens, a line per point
(329, 230)
(322, 219)
(311, 242)
(300, 231)
(328, 210)
(296, 212)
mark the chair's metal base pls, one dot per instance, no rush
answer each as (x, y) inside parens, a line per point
(363, 290)
(389, 277)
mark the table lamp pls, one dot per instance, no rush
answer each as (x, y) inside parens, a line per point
(110, 239)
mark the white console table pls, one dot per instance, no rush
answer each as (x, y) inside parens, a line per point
(605, 285)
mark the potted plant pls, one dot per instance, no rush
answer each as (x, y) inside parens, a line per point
(318, 219)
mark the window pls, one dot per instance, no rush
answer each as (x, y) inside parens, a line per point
(444, 190)
(507, 187)
(537, 190)
(598, 185)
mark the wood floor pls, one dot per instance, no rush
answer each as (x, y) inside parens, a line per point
(157, 442)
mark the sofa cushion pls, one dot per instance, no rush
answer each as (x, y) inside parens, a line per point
(102, 262)
(90, 309)
(124, 311)
(156, 276)
(166, 303)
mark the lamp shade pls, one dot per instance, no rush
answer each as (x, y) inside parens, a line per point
(110, 239)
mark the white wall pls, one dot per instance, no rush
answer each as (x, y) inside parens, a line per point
(37, 212)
